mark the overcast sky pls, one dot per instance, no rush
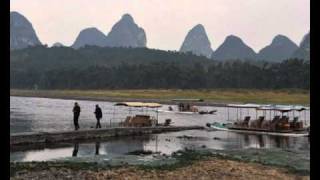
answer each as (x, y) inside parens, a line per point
(166, 22)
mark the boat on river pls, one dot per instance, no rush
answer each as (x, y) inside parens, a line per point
(278, 123)
(186, 106)
(143, 118)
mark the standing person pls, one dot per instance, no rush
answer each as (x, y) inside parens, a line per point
(98, 113)
(76, 113)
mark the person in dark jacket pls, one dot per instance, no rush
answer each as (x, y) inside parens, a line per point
(76, 113)
(98, 113)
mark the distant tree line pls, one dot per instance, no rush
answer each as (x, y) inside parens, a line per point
(141, 68)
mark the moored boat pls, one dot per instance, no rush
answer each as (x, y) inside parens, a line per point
(280, 125)
(186, 106)
(187, 112)
(224, 127)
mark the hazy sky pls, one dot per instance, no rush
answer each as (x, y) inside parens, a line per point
(166, 22)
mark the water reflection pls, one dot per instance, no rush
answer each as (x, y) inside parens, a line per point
(126, 145)
(266, 141)
(261, 141)
(75, 149)
(246, 139)
(97, 148)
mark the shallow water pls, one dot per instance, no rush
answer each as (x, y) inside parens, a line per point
(165, 143)
(29, 114)
(42, 114)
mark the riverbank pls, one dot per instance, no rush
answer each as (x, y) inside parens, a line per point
(211, 97)
(210, 168)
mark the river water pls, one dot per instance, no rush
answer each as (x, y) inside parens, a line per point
(43, 115)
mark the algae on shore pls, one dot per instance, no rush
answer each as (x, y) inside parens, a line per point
(188, 163)
(192, 165)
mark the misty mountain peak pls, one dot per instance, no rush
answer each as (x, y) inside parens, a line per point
(22, 33)
(126, 33)
(281, 48)
(90, 36)
(57, 44)
(303, 52)
(199, 27)
(305, 41)
(233, 39)
(127, 17)
(281, 39)
(89, 31)
(197, 42)
(18, 19)
(233, 48)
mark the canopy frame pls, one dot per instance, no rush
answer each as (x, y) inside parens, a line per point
(140, 105)
(264, 108)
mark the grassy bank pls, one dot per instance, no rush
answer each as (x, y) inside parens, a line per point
(190, 165)
(291, 96)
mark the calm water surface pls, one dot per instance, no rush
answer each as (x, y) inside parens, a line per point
(43, 114)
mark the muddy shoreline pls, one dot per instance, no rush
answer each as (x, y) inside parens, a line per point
(203, 168)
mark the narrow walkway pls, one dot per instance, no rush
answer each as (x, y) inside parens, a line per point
(61, 136)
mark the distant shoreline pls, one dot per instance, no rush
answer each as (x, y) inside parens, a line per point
(217, 98)
(112, 99)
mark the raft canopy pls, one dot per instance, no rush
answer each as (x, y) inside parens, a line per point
(139, 104)
(283, 108)
(188, 100)
(244, 105)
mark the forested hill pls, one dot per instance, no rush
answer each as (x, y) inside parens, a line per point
(128, 68)
(41, 56)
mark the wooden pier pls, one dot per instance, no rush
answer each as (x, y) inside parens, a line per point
(64, 136)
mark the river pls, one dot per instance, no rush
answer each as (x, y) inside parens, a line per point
(28, 114)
